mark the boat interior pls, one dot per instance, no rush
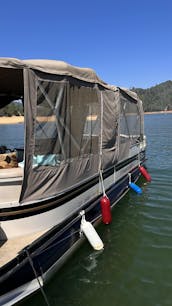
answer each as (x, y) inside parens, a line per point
(11, 176)
(11, 171)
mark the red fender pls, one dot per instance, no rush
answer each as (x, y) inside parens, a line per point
(106, 210)
(144, 172)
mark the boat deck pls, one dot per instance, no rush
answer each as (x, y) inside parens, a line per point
(10, 185)
(10, 248)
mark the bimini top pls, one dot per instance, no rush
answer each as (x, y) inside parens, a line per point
(72, 121)
(61, 68)
(55, 67)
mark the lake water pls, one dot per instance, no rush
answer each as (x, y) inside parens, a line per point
(12, 135)
(135, 267)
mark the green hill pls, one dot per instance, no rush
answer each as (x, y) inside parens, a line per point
(156, 98)
(14, 108)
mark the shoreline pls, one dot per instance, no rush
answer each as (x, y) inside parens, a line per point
(20, 119)
(158, 112)
(12, 120)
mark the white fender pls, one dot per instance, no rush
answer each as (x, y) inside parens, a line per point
(91, 234)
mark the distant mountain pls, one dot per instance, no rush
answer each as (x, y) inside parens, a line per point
(156, 98)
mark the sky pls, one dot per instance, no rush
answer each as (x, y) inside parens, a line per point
(127, 43)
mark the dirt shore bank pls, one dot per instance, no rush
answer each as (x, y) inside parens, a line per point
(20, 119)
(11, 120)
(160, 112)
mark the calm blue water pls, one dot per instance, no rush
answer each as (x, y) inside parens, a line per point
(135, 267)
(12, 136)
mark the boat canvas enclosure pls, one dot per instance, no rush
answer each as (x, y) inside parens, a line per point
(75, 124)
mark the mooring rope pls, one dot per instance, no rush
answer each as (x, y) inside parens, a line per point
(47, 248)
(34, 271)
(102, 182)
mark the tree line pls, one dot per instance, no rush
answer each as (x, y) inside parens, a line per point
(15, 108)
(156, 98)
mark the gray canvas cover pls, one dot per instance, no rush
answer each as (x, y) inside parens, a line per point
(75, 124)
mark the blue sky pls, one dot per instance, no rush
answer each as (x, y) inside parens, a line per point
(128, 43)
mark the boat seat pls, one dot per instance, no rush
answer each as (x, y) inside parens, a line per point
(11, 173)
